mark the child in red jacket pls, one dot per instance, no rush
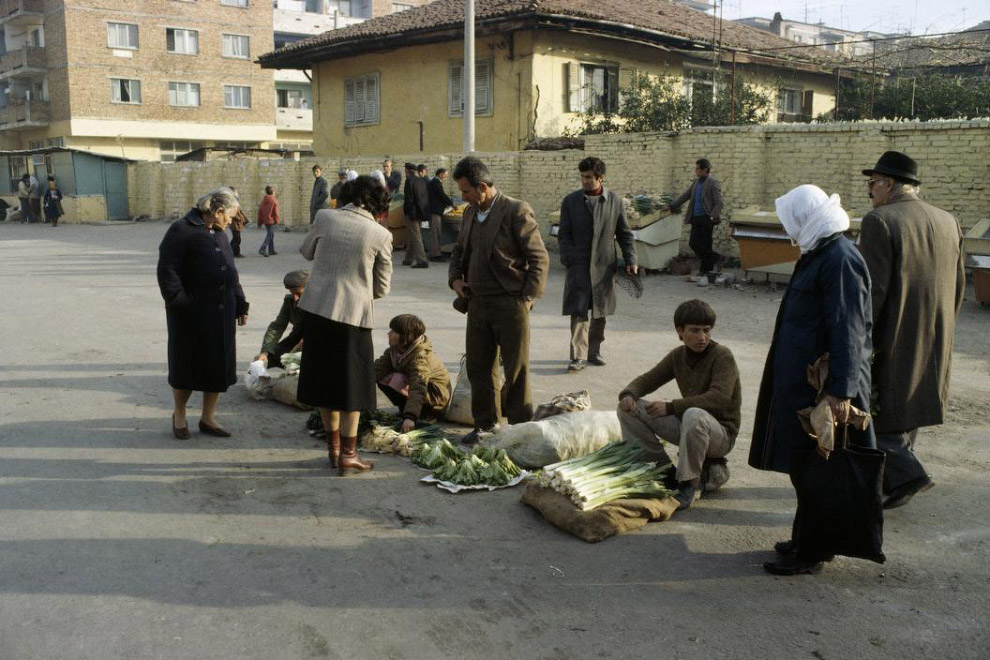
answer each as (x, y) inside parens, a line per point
(268, 217)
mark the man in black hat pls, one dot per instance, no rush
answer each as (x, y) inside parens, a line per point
(914, 253)
(341, 180)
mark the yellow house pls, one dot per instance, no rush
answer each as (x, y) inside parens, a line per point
(394, 83)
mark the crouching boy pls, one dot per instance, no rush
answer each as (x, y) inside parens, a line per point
(410, 374)
(703, 423)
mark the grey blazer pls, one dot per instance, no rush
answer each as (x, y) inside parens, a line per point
(352, 267)
(711, 199)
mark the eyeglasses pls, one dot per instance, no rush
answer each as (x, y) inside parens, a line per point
(871, 182)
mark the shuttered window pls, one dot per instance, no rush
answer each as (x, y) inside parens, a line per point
(484, 80)
(361, 100)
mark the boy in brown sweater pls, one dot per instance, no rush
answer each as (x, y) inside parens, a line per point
(703, 423)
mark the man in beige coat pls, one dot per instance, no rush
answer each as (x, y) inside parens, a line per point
(498, 268)
(914, 253)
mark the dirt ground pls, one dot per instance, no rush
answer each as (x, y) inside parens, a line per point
(116, 541)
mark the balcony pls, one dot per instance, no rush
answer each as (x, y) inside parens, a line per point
(294, 119)
(14, 12)
(292, 21)
(23, 114)
(30, 62)
(291, 76)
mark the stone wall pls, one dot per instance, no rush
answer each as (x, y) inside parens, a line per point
(755, 164)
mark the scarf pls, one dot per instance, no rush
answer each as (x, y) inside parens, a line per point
(809, 215)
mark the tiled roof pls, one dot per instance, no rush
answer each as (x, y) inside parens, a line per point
(665, 20)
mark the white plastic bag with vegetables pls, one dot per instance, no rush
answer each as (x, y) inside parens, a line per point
(557, 438)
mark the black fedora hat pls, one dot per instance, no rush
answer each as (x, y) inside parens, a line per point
(897, 166)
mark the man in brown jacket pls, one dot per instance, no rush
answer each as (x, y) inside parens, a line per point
(498, 268)
(704, 211)
(914, 253)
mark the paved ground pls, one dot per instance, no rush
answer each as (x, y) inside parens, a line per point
(116, 541)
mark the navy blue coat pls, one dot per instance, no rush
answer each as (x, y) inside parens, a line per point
(826, 309)
(203, 298)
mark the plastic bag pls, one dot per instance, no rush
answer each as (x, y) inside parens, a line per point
(557, 438)
(256, 380)
(459, 409)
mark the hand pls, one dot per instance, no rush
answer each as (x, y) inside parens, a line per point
(627, 403)
(242, 319)
(408, 425)
(665, 207)
(529, 304)
(462, 289)
(840, 408)
(632, 270)
(656, 408)
(262, 356)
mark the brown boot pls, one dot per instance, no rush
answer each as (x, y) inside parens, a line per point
(350, 462)
(333, 447)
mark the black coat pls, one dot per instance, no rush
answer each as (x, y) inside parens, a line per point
(393, 181)
(439, 199)
(320, 197)
(416, 205)
(826, 309)
(203, 297)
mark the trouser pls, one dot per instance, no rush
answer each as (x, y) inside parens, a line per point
(235, 241)
(36, 209)
(901, 465)
(268, 245)
(414, 247)
(399, 400)
(700, 241)
(697, 434)
(25, 209)
(436, 225)
(587, 336)
(498, 324)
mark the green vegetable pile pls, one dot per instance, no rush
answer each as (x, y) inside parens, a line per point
(290, 362)
(613, 472)
(482, 467)
(386, 438)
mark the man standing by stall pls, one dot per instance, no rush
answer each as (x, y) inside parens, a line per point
(439, 201)
(498, 268)
(416, 207)
(914, 253)
(320, 196)
(591, 221)
(704, 211)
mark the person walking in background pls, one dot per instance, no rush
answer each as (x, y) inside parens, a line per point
(439, 202)
(24, 197)
(704, 211)
(825, 310)
(591, 221)
(393, 178)
(320, 196)
(497, 269)
(352, 268)
(341, 180)
(53, 202)
(203, 301)
(914, 253)
(416, 207)
(34, 193)
(237, 225)
(268, 217)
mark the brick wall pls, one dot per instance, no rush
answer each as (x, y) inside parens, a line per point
(755, 165)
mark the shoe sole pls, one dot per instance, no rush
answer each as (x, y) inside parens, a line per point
(814, 569)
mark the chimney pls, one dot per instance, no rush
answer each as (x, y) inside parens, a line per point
(775, 24)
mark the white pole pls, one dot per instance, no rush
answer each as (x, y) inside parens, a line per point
(468, 75)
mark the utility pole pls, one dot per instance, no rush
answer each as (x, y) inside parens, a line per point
(468, 77)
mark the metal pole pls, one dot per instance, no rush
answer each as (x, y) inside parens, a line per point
(468, 75)
(836, 94)
(732, 101)
(873, 79)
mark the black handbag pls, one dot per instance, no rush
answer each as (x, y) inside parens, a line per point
(840, 502)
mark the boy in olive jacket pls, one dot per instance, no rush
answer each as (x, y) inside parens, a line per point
(704, 422)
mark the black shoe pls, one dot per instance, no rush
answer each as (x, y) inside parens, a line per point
(264, 254)
(903, 494)
(686, 495)
(794, 565)
(472, 438)
(239, 256)
(788, 548)
(714, 474)
(597, 360)
(440, 258)
(272, 253)
(576, 365)
(422, 264)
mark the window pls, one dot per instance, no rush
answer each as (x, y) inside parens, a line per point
(234, 3)
(283, 38)
(122, 35)
(361, 100)
(169, 151)
(482, 88)
(182, 42)
(788, 102)
(400, 6)
(288, 98)
(125, 90)
(340, 6)
(236, 96)
(701, 82)
(236, 45)
(183, 94)
(593, 88)
(36, 38)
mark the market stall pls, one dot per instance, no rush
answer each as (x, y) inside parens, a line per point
(977, 247)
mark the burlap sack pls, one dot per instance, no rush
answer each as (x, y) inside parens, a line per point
(597, 525)
(284, 391)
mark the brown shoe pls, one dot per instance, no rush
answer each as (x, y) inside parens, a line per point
(333, 447)
(213, 430)
(180, 434)
(350, 462)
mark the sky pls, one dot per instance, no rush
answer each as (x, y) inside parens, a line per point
(915, 16)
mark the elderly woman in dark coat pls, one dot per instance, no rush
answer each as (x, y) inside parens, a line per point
(826, 309)
(203, 300)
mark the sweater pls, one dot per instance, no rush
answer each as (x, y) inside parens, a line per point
(707, 380)
(429, 381)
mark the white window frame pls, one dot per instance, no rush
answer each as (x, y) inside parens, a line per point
(243, 4)
(289, 95)
(400, 7)
(175, 40)
(231, 41)
(342, 7)
(113, 33)
(700, 76)
(173, 95)
(236, 90)
(484, 87)
(580, 91)
(358, 109)
(115, 90)
(174, 150)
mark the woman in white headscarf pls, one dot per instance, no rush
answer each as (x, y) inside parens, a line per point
(826, 309)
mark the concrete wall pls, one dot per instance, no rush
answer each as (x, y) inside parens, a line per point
(755, 164)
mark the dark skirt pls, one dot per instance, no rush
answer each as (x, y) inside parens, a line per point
(337, 369)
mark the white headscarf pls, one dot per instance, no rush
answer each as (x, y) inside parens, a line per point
(351, 175)
(809, 215)
(379, 176)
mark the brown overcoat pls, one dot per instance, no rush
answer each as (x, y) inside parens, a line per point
(914, 253)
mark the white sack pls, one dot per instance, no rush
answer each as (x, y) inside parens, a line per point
(557, 438)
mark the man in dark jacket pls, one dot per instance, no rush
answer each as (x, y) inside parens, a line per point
(498, 268)
(321, 193)
(591, 221)
(273, 346)
(393, 179)
(416, 208)
(704, 211)
(341, 180)
(439, 201)
(914, 253)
